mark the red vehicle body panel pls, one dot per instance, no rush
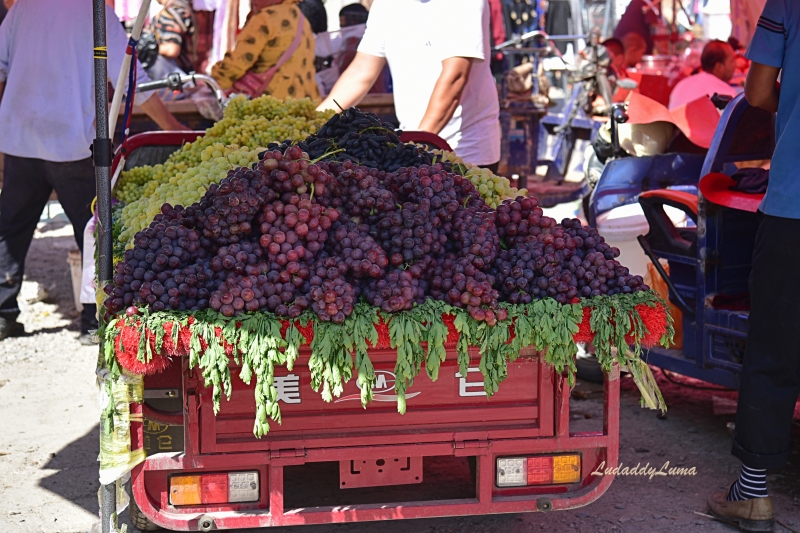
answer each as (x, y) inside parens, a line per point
(448, 418)
(528, 415)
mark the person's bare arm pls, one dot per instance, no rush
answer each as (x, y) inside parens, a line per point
(446, 94)
(157, 111)
(171, 50)
(2, 88)
(761, 88)
(354, 83)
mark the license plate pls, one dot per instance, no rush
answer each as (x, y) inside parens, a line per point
(380, 472)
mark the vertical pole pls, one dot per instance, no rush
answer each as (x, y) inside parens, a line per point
(102, 168)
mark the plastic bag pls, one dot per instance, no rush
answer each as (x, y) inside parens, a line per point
(116, 457)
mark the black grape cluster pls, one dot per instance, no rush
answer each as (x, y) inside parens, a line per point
(364, 139)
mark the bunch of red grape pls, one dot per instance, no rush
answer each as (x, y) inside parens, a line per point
(361, 192)
(562, 261)
(331, 295)
(359, 252)
(289, 235)
(398, 291)
(164, 270)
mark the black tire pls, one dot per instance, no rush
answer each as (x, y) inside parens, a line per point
(588, 368)
(139, 520)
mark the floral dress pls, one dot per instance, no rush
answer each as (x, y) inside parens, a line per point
(259, 46)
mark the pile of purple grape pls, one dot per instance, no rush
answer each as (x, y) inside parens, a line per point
(288, 235)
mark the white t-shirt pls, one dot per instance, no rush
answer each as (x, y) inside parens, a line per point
(415, 36)
(694, 87)
(47, 111)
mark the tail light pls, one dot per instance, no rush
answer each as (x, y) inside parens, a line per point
(538, 470)
(202, 489)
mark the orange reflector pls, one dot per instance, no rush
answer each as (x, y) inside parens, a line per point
(185, 490)
(566, 468)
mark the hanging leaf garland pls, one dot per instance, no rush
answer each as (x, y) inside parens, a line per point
(256, 342)
(360, 333)
(406, 337)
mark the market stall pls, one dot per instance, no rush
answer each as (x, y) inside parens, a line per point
(345, 255)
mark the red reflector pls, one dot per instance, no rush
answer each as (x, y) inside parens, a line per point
(214, 488)
(540, 470)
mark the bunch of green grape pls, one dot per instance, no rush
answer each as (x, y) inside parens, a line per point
(245, 123)
(492, 188)
(183, 188)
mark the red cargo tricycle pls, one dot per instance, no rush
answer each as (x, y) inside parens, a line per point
(453, 453)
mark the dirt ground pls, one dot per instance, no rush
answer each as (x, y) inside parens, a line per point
(49, 437)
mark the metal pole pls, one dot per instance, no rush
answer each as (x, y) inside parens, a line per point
(101, 153)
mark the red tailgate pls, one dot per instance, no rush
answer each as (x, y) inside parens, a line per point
(452, 404)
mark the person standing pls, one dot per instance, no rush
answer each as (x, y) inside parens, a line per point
(441, 73)
(770, 379)
(637, 19)
(47, 118)
(274, 54)
(174, 31)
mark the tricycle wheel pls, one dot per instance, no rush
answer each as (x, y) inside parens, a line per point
(588, 367)
(139, 520)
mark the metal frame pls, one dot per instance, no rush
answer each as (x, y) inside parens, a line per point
(711, 340)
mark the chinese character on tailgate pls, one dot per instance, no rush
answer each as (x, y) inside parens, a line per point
(288, 388)
(470, 388)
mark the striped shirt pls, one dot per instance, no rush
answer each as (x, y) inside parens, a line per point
(46, 61)
(774, 43)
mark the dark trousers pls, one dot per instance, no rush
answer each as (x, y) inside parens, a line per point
(770, 379)
(27, 184)
(492, 168)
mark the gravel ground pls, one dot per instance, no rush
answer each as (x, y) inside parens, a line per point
(49, 437)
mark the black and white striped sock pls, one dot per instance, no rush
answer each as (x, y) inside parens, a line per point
(752, 483)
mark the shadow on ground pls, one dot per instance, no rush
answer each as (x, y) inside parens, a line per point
(76, 476)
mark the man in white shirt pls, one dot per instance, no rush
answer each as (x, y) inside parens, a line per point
(47, 119)
(438, 52)
(718, 62)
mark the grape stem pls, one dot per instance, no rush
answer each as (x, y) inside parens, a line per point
(326, 154)
(337, 105)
